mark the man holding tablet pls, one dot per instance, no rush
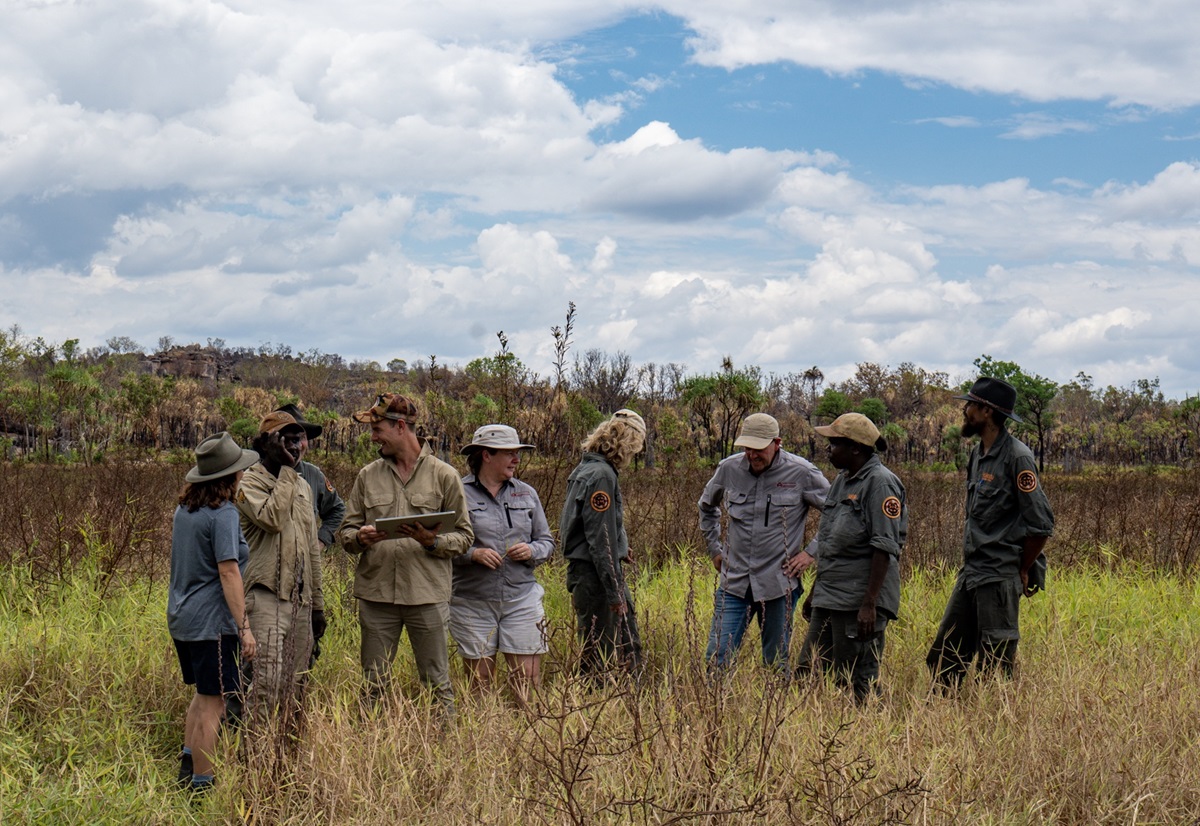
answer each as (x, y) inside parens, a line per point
(404, 582)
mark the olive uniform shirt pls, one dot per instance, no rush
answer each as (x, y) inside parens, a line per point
(864, 513)
(277, 519)
(1005, 504)
(592, 527)
(402, 571)
(327, 505)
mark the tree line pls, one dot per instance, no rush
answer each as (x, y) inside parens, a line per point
(61, 402)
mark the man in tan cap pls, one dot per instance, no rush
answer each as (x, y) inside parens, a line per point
(404, 582)
(284, 600)
(766, 492)
(857, 589)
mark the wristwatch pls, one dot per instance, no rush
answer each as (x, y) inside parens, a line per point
(434, 546)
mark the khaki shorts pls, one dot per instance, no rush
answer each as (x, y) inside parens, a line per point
(481, 628)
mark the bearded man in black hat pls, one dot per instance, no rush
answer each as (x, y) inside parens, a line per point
(1008, 522)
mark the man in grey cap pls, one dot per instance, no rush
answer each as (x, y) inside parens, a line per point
(1008, 522)
(766, 493)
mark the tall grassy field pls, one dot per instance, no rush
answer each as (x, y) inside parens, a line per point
(1101, 726)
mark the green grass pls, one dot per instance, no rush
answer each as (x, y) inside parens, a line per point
(1101, 726)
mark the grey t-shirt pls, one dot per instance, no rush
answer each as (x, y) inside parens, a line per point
(196, 608)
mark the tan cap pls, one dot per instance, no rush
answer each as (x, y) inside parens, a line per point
(757, 431)
(388, 406)
(632, 419)
(857, 428)
(277, 420)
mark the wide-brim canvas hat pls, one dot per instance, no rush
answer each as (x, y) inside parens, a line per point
(856, 427)
(994, 393)
(757, 431)
(219, 456)
(495, 437)
(311, 430)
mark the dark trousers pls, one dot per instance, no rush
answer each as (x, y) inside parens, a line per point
(607, 638)
(832, 643)
(979, 623)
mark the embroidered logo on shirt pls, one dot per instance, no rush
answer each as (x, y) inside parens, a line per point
(853, 497)
(241, 495)
(891, 507)
(600, 501)
(988, 477)
(1027, 481)
(785, 484)
(328, 486)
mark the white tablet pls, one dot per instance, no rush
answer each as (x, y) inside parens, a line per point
(442, 520)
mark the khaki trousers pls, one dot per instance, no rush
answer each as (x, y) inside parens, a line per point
(383, 622)
(283, 631)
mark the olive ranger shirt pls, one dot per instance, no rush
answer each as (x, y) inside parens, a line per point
(766, 521)
(592, 527)
(515, 515)
(863, 513)
(401, 571)
(327, 505)
(1005, 504)
(277, 518)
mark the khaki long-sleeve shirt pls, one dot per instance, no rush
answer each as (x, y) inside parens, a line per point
(401, 571)
(277, 518)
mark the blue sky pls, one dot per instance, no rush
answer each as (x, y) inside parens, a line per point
(786, 183)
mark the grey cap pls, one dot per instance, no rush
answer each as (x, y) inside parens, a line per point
(758, 430)
(495, 437)
(219, 456)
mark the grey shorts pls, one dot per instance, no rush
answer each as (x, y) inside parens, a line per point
(481, 628)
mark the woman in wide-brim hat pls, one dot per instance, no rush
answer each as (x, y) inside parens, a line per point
(496, 607)
(205, 604)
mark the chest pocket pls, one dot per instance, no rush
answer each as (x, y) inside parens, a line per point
(424, 502)
(848, 529)
(740, 506)
(378, 504)
(989, 503)
(519, 518)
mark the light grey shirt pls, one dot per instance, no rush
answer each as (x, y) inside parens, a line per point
(767, 515)
(499, 522)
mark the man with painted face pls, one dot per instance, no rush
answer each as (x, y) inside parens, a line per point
(327, 505)
(1007, 525)
(766, 492)
(284, 601)
(857, 587)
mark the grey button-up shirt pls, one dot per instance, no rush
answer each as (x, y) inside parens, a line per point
(1005, 504)
(766, 521)
(515, 515)
(864, 513)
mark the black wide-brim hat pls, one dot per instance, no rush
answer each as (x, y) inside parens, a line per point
(995, 393)
(311, 430)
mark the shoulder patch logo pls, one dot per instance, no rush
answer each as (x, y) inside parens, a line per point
(600, 501)
(892, 507)
(1027, 481)
(328, 486)
(241, 495)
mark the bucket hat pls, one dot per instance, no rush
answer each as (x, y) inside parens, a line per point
(219, 456)
(495, 437)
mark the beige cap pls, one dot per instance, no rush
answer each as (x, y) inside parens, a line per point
(388, 406)
(857, 428)
(758, 430)
(277, 420)
(632, 419)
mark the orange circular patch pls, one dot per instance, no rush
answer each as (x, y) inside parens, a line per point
(601, 501)
(892, 507)
(1027, 481)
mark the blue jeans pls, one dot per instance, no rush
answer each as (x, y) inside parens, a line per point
(731, 615)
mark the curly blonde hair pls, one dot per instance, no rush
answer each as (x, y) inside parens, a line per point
(616, 441)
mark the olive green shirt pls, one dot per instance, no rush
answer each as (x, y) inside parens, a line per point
(277, 519)
(402, 571)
